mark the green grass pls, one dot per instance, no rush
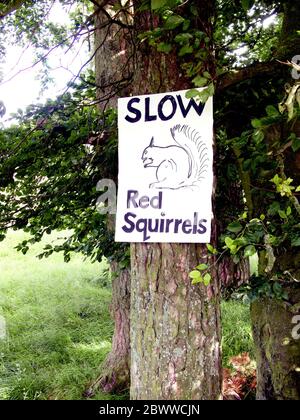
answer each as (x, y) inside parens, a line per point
(237, 334)
(59, 328)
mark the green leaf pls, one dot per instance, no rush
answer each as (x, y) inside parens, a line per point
(195, 274)
(296, 144)
(158, 4)
(173, 22)
(247, 4)
(211, 89)
(229, 242)
(186, 49)
(272, 111)
(192, 93)
(258, 136)
(277, 180)
(200, 81)
(295, 241)
(202, 267)
(207, 279)
(183, 38)
(282, 214)
(235, 227)
(256, 123)
(211, 249)
(288, 211)
(164, 48)
(249, 251)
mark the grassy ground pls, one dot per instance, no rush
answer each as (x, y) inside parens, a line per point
(59, 328)
(237, 335)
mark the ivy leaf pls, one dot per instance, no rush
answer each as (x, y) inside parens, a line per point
(296, 241)
(256, 123)
(207, 279)
(282, 214)
(202, 267)
(192, 93)
(296, 144)
(196, 277)
(195, 274)
(173, 22)
(211, 249)
(258, 136)
(229, 242)
(247, 4)
(187, 49)
(272, 111)
(249, 251)
(200, 81)
(183, 38)
(158, 4)
(164, 48)
(235, 227)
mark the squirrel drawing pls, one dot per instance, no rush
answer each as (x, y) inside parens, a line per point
(180, 165)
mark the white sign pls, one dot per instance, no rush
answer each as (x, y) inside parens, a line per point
(165, 169)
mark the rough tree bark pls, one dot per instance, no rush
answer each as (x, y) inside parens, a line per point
(175, 327)
(115, 371)
(113, 75)
(277, 352)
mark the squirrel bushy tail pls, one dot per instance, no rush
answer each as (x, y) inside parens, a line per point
(190, 140)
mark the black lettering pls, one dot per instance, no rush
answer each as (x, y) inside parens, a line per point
(156, 226)
(162, 225)
(178, 222)
(148, 117)
(141, 226)
(195, 225)
(162, 116)
(136, 112)
(187, 227)
(202, 229)
(131, 198)
(192, 104)
(130, 228)
(144, 202)
(169, 222)
(156, 202)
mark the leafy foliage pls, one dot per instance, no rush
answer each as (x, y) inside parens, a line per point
(50, 165)
(51, 162)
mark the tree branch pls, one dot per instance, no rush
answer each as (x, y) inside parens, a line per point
(8, 7)
(240, 75)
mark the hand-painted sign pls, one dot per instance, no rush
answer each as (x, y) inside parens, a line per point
(165, 169)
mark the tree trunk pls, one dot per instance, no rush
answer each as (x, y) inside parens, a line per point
(113, 74)
(175, 327)
(277, 348)
(113, 54)
(232, 275)
(115, 371)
